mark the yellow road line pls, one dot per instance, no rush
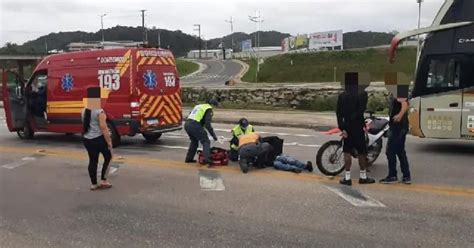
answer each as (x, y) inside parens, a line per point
(140, 160)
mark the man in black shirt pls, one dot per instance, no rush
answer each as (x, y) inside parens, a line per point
(351, 105)
(396, 141)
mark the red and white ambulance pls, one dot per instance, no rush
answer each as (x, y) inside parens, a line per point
(144, 94)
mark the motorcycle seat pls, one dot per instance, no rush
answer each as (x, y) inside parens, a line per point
(377, 125)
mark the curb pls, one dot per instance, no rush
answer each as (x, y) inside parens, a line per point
(245, 69)
(202, 67)
(316, 127)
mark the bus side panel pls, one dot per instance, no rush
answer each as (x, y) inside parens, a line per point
(467, 128)
(414, 117)
(441, 115)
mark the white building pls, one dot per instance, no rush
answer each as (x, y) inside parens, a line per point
(80, 46)
(261, 52)
(210, 54)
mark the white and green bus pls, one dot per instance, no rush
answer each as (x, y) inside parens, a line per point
(442, 99)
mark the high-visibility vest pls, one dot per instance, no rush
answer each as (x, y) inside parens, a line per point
(237, 132)
(248, 138)
(198, 112)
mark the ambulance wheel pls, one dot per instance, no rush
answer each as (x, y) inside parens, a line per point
(151, 137)
(26, 133)
(114, 135)
(244, 165)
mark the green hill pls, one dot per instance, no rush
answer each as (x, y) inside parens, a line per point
(179, 42)
(319, 67)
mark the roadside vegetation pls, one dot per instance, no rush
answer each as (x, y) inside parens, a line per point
(186, 67)
(320, 67)
(376, 104)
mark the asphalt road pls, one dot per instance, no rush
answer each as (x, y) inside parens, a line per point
(215, 75)
(158, 201)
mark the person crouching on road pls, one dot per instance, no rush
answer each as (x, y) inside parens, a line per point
(200, 118)
(351, 105)
(242, 128)
(96, 137)
(251, 148)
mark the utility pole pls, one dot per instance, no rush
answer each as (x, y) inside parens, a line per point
(159, 39)
(198, 28)
(231, 31)
(102, 25)
(143, 26)
(257, 19)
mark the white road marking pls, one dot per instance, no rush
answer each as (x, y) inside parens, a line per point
(314, 146)
(279, 134)
(227, 140)
(174, 147)
(211, 184)
(22, 162)
(355, 197)
(113, 170)
(303, 145)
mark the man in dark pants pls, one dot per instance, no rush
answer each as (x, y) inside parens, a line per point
(351, 105)
(396, 141)
(200, 118)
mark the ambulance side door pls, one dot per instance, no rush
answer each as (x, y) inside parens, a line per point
(14, 101)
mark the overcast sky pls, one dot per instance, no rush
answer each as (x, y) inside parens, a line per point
(23, 20)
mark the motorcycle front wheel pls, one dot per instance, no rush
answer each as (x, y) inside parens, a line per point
(330, 159)
(374, 152)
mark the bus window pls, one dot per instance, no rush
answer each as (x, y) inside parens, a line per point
(444, 74)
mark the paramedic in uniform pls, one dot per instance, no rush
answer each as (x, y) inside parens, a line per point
(242, 128)
(200, 118)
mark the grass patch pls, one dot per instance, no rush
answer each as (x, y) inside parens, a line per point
(250, 76)
(186, 67)
(319, 104)
(319, 67)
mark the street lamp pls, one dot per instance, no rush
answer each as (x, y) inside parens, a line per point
(257, 19)
(102, 25)
(231, 30)
(419, 25)
(198, 28)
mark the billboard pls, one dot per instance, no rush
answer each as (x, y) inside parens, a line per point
(297, 42)
(285, 45)
(246, 45)
(325, 39)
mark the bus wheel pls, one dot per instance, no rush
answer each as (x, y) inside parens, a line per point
(26, 133)
(151, 137)
(114, 135)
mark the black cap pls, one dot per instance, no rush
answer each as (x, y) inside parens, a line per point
(213, 102)
(243, 122)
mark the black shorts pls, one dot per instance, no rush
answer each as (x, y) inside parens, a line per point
(355, 141)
